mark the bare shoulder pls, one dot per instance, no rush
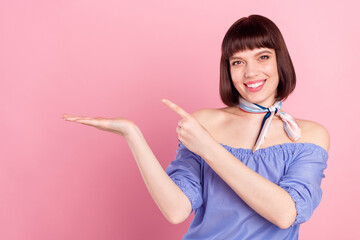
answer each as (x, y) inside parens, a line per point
(313, 132)
(206, 113)
(208, 117)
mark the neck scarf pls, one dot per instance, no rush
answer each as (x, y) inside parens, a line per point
(290, 125)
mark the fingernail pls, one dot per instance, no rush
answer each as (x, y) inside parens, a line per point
(163, 100)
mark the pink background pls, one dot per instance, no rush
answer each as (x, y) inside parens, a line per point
(60, 180)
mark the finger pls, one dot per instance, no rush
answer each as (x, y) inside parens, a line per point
(73, 118)
(69, 117)
(89, 122)
(83, 120)
(176, 108)
(180, 124)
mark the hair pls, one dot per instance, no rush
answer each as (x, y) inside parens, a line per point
(252, 32)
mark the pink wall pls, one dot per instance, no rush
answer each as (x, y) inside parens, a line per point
(60, 180)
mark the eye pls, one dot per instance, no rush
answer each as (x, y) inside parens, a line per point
(236, 63)
(264, 57)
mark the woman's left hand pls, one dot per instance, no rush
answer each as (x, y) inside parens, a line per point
(190, 132)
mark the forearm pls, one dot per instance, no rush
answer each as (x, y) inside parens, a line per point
(172, 202)
(266, 198)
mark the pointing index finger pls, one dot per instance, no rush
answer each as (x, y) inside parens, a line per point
(176, 108)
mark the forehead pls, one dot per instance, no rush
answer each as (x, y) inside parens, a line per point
(252, 53)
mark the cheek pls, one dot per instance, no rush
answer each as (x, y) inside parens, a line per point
(276, 74)
(235, 75)
(232, 74)
(274, 69)
(271, 70)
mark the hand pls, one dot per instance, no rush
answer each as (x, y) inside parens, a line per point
(190, 132)
(116, 125)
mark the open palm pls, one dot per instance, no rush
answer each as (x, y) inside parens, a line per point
(116, 125)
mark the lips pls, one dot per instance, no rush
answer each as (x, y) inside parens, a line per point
(255, 86)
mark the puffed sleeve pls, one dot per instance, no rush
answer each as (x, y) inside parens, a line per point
(302, 180)
(185, 171)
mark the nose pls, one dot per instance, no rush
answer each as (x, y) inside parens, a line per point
(250, 70)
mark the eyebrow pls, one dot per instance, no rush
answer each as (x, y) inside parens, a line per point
(257, 54)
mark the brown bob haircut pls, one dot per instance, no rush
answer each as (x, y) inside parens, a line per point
(252, 32)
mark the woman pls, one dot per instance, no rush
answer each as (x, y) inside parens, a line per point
(240, 186)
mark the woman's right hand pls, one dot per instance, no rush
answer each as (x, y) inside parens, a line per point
(120, 126)
(172, 202)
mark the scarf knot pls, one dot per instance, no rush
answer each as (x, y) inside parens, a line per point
(290, 125)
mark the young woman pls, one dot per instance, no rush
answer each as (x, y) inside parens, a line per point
(240, 185)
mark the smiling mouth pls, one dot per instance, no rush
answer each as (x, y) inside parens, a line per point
(255, 84)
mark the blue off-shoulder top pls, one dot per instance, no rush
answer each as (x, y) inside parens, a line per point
(219, 213)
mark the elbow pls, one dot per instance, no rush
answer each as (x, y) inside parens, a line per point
(176, 219)
(284, 225)
(178, 211)
(286, 221)
(177, 216)
(287, 216)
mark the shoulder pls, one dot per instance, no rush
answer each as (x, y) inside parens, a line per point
(209, 117)
(313, 132)
(203, 115)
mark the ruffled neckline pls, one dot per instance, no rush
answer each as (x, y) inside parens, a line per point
(277, 148)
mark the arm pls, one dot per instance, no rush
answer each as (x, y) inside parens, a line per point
(292, 201)
(172, 202)
(265, 197)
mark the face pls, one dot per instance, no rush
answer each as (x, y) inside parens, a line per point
(255, 76)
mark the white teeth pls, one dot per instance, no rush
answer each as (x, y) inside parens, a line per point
(255, 85)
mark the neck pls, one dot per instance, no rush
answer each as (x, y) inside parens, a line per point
(266, 103)
(257, 107)
(256, 117)
(253, 109)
